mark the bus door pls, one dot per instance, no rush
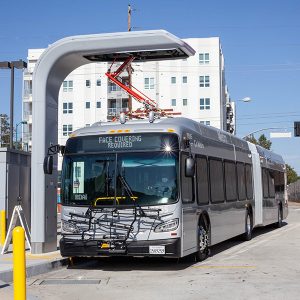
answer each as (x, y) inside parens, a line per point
(189, 223)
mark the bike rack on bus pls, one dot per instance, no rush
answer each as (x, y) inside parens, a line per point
(108, 220)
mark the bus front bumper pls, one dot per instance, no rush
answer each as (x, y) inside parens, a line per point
(71, 247)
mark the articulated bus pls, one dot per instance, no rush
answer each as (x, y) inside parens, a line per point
(168, 188)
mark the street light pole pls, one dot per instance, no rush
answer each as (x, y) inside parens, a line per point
(19, 64)
(12, 94)
(22, 122)
(3, 65)
(262, 129)
(245, 100)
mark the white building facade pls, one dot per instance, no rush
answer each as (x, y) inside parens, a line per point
(195, 87)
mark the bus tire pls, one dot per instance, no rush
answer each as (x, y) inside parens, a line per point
(279, 220)
(203, 241)
(248, 227)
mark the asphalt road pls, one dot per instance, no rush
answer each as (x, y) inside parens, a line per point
(267, 267)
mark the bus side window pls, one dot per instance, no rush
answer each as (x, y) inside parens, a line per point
(187, 191)
(265, 183)
(271, 184)
(202, 181)
(241, 181)
(249, 188)
(279, 181)
(216, 180)
(230, 181)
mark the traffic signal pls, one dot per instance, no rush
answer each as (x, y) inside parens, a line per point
(296, 128)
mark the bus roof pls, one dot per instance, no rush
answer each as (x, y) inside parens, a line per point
(177, 125)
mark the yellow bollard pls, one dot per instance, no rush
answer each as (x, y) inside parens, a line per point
(2, 227)
(19, 263)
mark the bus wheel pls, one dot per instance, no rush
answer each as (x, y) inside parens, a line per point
(279, 222)
(203, 238)
(248, 227)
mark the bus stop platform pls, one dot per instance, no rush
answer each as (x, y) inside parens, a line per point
(35, 264)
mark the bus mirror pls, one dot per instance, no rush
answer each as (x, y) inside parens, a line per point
(189, 167)
(48, 164)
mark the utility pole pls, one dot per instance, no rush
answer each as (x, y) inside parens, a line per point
(129, 69)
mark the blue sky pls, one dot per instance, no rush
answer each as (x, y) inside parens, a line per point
(260, 41)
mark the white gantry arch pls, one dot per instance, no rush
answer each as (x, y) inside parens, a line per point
(60, 59)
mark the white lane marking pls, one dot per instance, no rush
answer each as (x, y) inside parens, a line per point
(297, 209)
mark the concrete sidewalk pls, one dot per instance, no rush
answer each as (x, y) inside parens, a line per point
(35, 264)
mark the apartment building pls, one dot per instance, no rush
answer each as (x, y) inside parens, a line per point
(196, 87)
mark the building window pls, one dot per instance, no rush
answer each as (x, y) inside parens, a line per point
(184, 79)
(98, 82)
(173, 80)
(203, 58)
(184, 102)
(87, 104)
(88, 83)
(98, 104)
(27, 88)
(67, 108)
(67, 129)
(112, 87)
(149, 83)
(205, 123)
(204, 81)
(173, 102)
(68, 86)
(204, 103)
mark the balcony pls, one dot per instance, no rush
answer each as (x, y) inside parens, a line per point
(115, 112)
(27, 98)
(27, 117)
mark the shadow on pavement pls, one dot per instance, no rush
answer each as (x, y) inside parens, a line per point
(239, 239)
(123, 263)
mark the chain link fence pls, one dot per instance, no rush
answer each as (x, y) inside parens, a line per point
(294, 191)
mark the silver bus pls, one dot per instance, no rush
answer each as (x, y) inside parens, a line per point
(168, 188)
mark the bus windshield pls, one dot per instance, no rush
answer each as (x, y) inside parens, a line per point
(141, 178)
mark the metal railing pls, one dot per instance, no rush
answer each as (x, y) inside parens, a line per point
(114, 112)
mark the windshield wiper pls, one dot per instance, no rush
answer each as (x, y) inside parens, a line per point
(126, 186)
(128, 189)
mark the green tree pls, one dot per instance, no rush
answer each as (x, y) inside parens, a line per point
(264, 142)
(4, 138)
(251, 139)
(292, 175)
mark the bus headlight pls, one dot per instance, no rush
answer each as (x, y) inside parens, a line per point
(69, 226)
(167, 226)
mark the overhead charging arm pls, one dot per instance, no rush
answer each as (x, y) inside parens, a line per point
(148, 103)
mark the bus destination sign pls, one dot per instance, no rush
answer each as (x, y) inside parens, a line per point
(120, 141)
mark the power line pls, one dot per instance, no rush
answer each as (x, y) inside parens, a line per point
(279, 122)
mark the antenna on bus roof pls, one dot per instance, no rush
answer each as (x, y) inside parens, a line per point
(122, 118)
(151, 116)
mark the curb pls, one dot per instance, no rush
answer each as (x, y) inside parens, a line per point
(41, 268)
